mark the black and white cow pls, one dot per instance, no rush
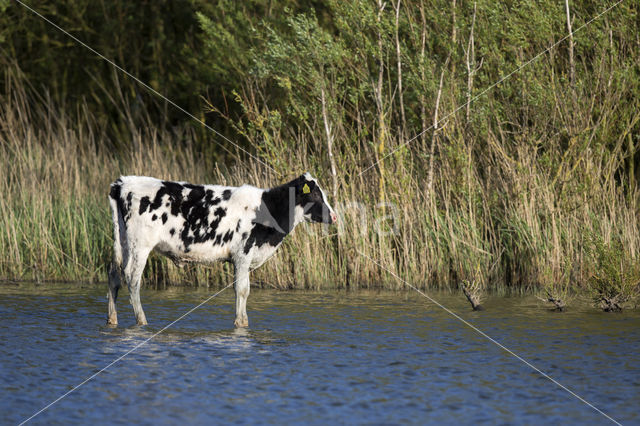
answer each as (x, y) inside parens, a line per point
(204, 223)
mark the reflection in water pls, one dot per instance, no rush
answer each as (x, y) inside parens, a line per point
(311, 358)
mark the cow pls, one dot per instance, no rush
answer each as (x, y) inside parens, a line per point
(188, 223)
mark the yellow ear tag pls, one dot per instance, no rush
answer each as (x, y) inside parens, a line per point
(306, 189)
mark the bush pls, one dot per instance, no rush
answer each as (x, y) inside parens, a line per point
(615, 281)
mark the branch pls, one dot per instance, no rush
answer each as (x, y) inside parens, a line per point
(435, 129)
(572, 65)
(472, 293)
(327, 128)
(399, 63)
(557, 302)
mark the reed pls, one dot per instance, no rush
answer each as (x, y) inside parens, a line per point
(56, 223)
(507, 194)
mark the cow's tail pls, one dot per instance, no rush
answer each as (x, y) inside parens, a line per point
(119, 237)
(119, 226)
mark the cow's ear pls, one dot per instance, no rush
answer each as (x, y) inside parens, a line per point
(297, 183)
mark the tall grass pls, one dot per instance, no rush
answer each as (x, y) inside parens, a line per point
(507, 230)
(508, 194)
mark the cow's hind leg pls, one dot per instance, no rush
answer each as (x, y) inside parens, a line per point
(133, 275)
(115, 268)
(115, 282)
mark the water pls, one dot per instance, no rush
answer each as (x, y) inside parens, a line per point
(381, 358)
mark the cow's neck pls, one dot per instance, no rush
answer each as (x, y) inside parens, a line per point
(281, 204)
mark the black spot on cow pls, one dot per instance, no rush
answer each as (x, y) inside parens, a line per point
(226, 194)
(275, 206)
(123, 206)
(261, 235)
(154, 217)
(174, 191)
(144, 204)
(129, 201)
(116, 194)
(223, 238)
(244, 235)
(116, 189)
(238, 225)
(172, 231)
(164, 218)
(195, 208)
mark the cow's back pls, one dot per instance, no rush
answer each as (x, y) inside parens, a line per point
(184, 221)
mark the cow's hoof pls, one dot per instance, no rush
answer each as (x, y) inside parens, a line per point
(142, 321)
(242, 322)
(112, 322)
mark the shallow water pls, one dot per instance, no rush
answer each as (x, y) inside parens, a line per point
(368, 357)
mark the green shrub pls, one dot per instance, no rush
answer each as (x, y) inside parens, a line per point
(616, 278)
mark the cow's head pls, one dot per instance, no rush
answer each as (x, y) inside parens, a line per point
(311, 198)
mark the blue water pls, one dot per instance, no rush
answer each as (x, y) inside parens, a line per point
(381, 358)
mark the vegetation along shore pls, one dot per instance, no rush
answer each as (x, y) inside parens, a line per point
(444, 177)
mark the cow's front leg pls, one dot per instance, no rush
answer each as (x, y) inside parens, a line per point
(242, 293)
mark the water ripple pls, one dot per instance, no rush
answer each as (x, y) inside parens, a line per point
(313, 358)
